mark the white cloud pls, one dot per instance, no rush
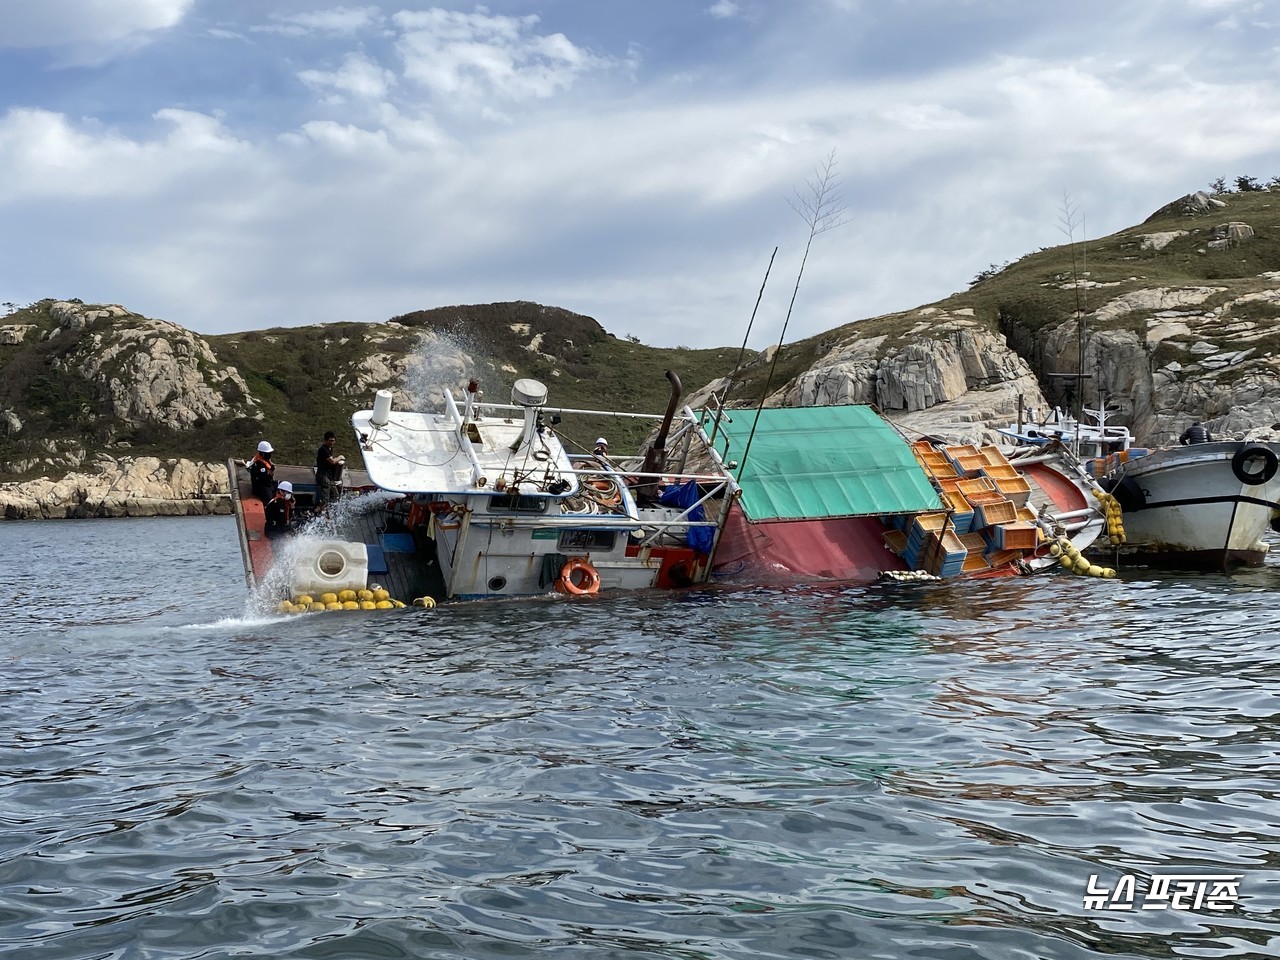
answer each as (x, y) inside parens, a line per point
(338, 21)
(345, 138)
(469, 57)
(358, 76)
(55, 23)
(87, 32)
(43, 154)
(724, 9)
(649, 204)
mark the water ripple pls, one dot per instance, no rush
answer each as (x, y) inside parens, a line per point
(888, 771)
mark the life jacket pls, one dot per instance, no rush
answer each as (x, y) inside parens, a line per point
(271, 511)
(259, 462)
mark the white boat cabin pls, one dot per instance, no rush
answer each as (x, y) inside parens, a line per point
(512, 512)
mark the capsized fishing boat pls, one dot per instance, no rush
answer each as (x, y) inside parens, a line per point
(1202, 506)
(835, 492)
(484, 500)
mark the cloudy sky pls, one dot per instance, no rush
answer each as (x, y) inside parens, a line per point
(239, 164)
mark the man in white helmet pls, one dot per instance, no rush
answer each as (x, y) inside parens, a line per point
(279, 512)
(262, 472)
(601, 451)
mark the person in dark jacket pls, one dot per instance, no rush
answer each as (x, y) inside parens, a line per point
(1196, 433)
(279, 512)
(328, 471)
(262, 473)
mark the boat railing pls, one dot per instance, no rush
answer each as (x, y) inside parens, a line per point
(680, 522)
(451, 409)
(485, 405)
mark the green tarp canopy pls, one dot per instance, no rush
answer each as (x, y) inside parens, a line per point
(818, 462)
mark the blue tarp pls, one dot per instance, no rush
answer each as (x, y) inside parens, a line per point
(685, 495)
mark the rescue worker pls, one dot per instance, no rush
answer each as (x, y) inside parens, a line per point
(279, 512)
(262, 472)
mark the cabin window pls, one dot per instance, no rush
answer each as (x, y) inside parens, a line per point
(515, 503)
(598, 540)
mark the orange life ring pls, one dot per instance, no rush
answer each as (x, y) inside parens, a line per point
(590, 577)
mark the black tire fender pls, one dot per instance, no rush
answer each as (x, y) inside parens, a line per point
(1247, 457)
(1129, 494)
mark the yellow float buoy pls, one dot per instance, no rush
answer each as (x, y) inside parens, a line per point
(383, 604)
(427, 602)
(367, 605)
(381, 595)
(332, 605)
(350, 605)
(345, 595)
(315, 606)
(303, 600)
(328, 598)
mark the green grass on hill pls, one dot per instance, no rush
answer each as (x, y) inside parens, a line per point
(293, 372)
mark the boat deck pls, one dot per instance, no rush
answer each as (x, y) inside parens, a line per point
(402, 563)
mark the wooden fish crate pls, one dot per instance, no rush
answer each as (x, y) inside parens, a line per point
(936, 465)
(896, 541)
(976, 485)
(1000, 557)
(962, 450)
(969, 466)
(1018, 490)
(985, 496)
(993, 513)
(998, 472)
(994, 455)
(1018, 535)
(945, 555)
(926, 523)
(961, 511)
(924, 531)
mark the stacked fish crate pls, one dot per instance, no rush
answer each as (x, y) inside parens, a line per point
(933, 546)
(998, 495)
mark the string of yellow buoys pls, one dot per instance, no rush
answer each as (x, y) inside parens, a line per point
(375, 599)
(1070, 558)
(1115, 517)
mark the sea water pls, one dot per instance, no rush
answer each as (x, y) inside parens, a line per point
(923, 770)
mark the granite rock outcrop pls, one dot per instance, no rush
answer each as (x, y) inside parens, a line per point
(151, 372)
(142, 487)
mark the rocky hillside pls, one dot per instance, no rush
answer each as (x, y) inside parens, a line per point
(102, 396)
(1180, 320)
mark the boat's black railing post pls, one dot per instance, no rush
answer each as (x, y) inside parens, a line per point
(822, 210)
(720, 402)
